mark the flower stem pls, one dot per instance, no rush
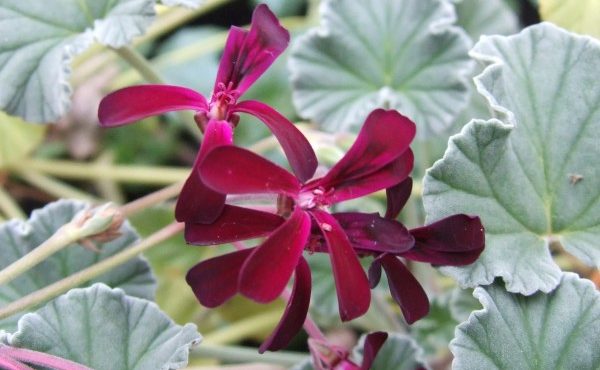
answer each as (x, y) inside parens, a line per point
(53, 186)
(244, 328)
(237, 354)
(149, 175)
(9, 206)
(89, 273)
(151, 199)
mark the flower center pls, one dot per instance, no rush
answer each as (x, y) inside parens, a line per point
(223, 97)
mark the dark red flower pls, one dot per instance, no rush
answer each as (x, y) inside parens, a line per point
(380, 158)
(246, 56)
(329, 357)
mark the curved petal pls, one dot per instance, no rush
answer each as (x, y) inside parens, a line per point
(373, 343)
(396, 197)
(455, 241)
(296, 147)
(405, 289)
(357, 187)
(268, 270)
(136, 102)
(352, 285)
(248, 54)
(295, 311)
(385, 135)
(197, 203)
(234, 223)
(234, 170)
(215, 280)
(374, 273)
(371, 232)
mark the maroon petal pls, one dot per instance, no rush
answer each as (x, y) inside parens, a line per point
(357, 187)
(297, 149)
(234, 223)
(268, 270)
(456, 240)
(136, 102)
(397, 196)
(385, 135)
(234, 170)
(371, 232)
(352, 285)
(374, 273)
(373, 343)
(295, 311)
(405, 289)
(214, 281)
(197, 203)
(248, 54)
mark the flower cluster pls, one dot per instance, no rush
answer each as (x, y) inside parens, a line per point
(379, 159)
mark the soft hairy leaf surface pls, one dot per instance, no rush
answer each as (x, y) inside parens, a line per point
(491, 17)
(105, 329)
(17, 138)
(399, 54)
(581, 16)
(530, 176)
(543, 331)
(18, 238)
(35, 59)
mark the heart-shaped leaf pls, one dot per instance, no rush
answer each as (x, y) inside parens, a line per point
(17, 138)
(582, 16)
(531, 177)
(35, 59)
(17, 238)
(401, 54)
(105, 329)
(543, 331)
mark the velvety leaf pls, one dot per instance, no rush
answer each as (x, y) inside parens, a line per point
(491, 17)
(404, 55)
(20, 237)
(17, 138)
(106, 329)
(558, 330)
(186, 3)
(530, 177)
(581, 16)
(35, 60)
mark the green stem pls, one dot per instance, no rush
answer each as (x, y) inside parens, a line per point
(89, 273)
(151, 199)
(9, 206)
(237, 354)
(53, 186)
(124, 173)
(108, 189)
(242, 329)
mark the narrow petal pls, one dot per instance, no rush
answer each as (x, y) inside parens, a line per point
(197, 203)
(371, 232)
(389, 175)
(375, 273)
(268, 270)
(295, 311)
(296, 147)
(397, 196)
(405, 289)
(136, 102)
(373, 343)
(249, 53)
(214, 281)
(352, 285)
(455, 241)
(234, 223)
(385, 135)
(234, 170)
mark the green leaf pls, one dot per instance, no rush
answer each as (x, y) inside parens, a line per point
(543, 331)
(581, 16)
(186, 3)
(17, 139)
(17, 238)
(492, 17)
(401, 54)
(105, 329)
(530, 177)
(34, 62)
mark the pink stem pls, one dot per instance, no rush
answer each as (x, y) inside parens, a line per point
(40, 358)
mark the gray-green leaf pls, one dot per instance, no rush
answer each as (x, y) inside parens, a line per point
(17, 238)
(400, 54)
(105, 329)
(532, 175)
(39, 39)
(543, 331)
